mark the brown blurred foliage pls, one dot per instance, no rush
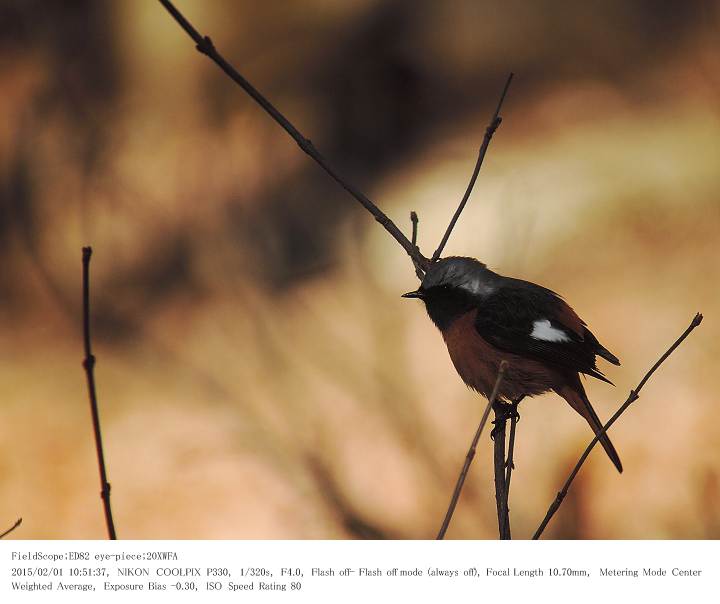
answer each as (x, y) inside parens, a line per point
(259, 375)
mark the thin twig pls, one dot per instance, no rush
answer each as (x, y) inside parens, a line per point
(489, 131)
(414, 220)
(632, 397)
(18, 522)
(471, 453)
(205, 46)
(89, 365)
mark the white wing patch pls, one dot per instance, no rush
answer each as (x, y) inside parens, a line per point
(542, 330)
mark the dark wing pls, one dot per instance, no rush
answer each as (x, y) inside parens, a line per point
(534, 322)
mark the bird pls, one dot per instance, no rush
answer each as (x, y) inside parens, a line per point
(485, 318)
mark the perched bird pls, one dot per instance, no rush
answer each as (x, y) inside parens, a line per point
(486, 318)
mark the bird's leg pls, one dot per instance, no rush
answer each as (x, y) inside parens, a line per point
(514, 419)
(513, 413)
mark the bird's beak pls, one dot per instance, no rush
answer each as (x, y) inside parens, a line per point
(415, 294)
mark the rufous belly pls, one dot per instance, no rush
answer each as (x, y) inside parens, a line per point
(478, 363)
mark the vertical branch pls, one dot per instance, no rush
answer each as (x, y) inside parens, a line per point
(471, 453)
(498, 434)
(18, 522)
(89, 365)
(510, 463)
(414, 219)
(489, 131)
(418, 268)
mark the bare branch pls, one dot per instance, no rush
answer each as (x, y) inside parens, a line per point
(501, 491)
(489, 131)
(205, 46)
(18, 522)
(89, 365)
(632, 397)
(510, 462)
(471, 453)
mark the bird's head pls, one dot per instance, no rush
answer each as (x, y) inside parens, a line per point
(453, 286)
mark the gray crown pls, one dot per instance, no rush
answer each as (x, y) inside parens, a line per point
(465, 273)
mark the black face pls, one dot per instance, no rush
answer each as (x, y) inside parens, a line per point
(444, 304)
(454, 286)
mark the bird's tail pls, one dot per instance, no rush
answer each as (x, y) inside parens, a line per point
(575, 395)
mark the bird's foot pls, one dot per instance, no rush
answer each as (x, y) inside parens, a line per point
(503, 413)
(506, 411)
(513, 411)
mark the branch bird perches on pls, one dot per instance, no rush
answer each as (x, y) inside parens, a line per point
(503, 462)
(421, 263)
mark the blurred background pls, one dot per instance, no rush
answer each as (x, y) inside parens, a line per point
(259, 375)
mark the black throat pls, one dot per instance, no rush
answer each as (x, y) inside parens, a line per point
(446, 304)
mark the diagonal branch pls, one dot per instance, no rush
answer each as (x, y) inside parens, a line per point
(89, 365)
(471, 453)
(18, 522)
(205, 46)
(489, 131)
(632, 397)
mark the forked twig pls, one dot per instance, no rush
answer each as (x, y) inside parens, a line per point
(471, 453)
(89, 365)
(18, 522)
(489, 131)
(632, 397)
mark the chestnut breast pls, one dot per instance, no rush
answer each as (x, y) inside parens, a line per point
(477, 363)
